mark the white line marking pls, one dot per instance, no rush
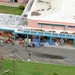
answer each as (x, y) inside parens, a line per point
(46, 59)
(19, 57)
(8, 57)
(34, 59)
(71, 61)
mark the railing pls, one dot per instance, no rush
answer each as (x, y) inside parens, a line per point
(43, 33)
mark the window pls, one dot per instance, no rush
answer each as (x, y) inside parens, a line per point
(52, 26)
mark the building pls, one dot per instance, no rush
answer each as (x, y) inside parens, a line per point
(59, 15)
(54, 16)
(19, 1)
(49, 18)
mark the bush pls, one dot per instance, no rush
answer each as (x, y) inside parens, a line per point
(55, 74)
(21, 7)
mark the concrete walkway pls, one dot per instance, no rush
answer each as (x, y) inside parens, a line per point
(10, 4)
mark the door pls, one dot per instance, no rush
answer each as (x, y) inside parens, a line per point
(15, 0)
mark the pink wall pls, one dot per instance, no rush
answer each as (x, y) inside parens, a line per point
(19, 1)
(58, 28)
(22, 1)
(47, 27)
(34, 24)
(5, 1)
(70, 29)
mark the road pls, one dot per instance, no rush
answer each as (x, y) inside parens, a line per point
(53, 55)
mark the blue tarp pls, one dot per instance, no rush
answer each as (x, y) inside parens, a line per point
(49, 43)
(36, 42)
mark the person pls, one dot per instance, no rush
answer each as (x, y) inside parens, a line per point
(20, 41)
(23, 43)
(33, 45)
(26, 44)
(6, 40)
(1, 42)
(56, 43)
(29, 59)
(12, 42)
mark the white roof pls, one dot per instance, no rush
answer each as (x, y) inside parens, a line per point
(8, 21)
(53, 10)
(11, 22)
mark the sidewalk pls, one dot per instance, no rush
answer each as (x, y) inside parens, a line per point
(10, 4)
(60, 46)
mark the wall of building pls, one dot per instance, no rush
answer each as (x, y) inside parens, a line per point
(19, 1)
(34, 24)
(5, 1)
(22, 1)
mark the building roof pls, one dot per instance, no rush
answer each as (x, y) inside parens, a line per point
(12, 22)
(53, 10)
(8, 21)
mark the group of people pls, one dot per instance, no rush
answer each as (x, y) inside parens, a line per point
(24, 43)
(6, 41)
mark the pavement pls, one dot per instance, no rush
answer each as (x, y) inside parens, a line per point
(65, 46)
(13, 4)
(48, 55)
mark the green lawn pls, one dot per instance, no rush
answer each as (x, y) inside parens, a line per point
(30, 68)
(10, 10)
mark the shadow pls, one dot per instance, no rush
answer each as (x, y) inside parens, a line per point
(43, 55)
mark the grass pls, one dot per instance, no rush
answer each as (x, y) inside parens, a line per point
(10, 10)
(30, 68)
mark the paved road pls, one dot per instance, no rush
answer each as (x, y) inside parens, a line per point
(52, 55)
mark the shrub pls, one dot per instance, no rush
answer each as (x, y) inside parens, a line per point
(21, 7)
(55, 74)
